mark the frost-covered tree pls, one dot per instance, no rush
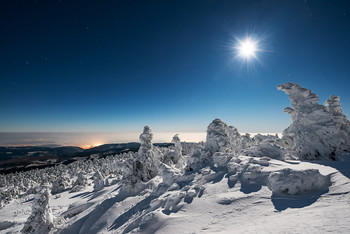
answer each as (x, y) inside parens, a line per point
(173, 155)
(80, 183)
(98, 181)
(177, 157)
(218, 139)
(316, 132)
(235, 139)
(41, 219)
(177, 145)
(144, 166)
(342, 122)
(60, 184)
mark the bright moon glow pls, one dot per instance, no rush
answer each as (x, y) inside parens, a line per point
(247, 48)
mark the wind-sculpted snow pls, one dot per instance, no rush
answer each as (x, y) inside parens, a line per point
(317, 132)
(293, 182)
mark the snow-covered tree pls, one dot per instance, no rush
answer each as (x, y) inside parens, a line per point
(80, 183)
(317, 132)
(60, 184)
(98, 181)
(144, 166)
(41, 219)
(235, 139)
(218, 139)
(173, 155)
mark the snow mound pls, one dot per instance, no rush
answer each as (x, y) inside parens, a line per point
(292, 182)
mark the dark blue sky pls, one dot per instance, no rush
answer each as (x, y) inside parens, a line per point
(120, 65)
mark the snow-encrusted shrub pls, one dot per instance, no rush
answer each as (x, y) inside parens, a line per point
(126, 164)
(235, 139)
(246, 168)
(267, 147)
(336, 112)
(173, 155)
(98, 181)
(317, 132)
(190, 147)
(258, 138)
(221, 159)
(218, 139)
(61, 184)
(80, 183)
(7, 195)
(246, 142)
(291, 182)
(144, 166)
(197, 160)
(41, 219)
(177, 149)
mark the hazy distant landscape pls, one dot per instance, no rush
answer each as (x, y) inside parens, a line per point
(21, 158)
(87, 139)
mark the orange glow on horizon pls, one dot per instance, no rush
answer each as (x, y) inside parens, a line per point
(91, 146)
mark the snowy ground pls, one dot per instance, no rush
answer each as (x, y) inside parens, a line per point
(212, 200)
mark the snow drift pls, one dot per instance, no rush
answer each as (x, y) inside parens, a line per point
(288, 181)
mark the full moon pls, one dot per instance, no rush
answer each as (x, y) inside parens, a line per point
(247, 48)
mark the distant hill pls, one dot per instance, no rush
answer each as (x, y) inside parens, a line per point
(22, 158)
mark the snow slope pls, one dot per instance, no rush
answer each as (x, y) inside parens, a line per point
(204, 201)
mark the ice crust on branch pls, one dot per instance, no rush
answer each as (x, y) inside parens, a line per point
(317, 132)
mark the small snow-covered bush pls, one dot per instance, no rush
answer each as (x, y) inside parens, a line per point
(291, 182)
